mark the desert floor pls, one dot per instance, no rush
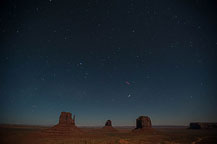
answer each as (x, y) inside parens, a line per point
(14, 134)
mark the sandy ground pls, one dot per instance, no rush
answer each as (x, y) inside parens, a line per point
(32, 135)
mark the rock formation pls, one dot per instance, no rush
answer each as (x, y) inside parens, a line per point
(66, 119)
(202, 125)
(144, 126)
(108, 123)
(143, 122)
(65, 127)
(108, 126)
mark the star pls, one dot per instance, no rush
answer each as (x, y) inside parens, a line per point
(128, 83)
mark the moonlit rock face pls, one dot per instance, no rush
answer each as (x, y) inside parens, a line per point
(66, 118)
(143, 122)
(65, 127)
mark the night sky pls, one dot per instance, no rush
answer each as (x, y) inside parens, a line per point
(108, 59)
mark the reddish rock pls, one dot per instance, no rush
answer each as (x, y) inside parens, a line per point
(65, 127)
(144, 126)
(66, 119)
(108, 127)
(143, 122)
(202, 125)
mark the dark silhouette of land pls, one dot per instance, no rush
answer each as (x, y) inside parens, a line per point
(66, 132)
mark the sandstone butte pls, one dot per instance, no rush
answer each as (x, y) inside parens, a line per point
(108, 127)
(65, 127)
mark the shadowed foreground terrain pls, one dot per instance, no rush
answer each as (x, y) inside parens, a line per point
(20, 134)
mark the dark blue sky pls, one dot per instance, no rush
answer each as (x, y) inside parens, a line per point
(101, 59)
